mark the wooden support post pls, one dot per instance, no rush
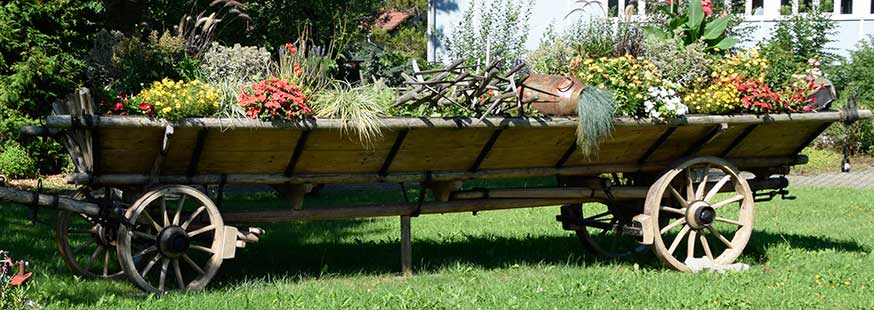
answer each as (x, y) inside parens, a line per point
(406, 247)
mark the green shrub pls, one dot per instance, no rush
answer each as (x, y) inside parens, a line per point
(43, 46)
(500, 35)
(795, 40)
(16, 163)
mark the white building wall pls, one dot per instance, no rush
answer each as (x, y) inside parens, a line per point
(446, 14)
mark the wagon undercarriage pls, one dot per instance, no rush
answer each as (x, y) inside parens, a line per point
(684, 188)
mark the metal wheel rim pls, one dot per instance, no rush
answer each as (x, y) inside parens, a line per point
(704, 239)
(611, 250)
(175, 273)
(104, 254)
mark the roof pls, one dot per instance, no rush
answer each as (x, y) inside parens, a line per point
(390, 20)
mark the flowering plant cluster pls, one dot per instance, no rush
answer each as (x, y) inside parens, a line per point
(274, 99)
(748, 63)
(174, 100)
(717, 98)
(628, 77)
(123, 105)
(663, 102)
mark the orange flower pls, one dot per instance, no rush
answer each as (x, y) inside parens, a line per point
(290, 48)
(297, 69)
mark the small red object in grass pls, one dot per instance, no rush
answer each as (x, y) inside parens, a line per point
(21, 276)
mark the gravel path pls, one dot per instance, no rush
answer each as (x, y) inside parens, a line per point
(861, 179)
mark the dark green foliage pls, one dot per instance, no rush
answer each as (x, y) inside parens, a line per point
(15, 162)
(596, 109)
(386, 54)
(43, 47)
(126, 63)
(278, 21)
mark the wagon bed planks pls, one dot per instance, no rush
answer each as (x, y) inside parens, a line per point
(460, 147)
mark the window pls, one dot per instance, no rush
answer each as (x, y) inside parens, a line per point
(785, 7)
(846, 6)
(758, 7)
(805, 6)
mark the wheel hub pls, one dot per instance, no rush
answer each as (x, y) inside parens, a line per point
(104, 235)
(173, 241)
(700, 214)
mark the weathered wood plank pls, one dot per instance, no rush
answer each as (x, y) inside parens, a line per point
(440, 149)
(541, 147)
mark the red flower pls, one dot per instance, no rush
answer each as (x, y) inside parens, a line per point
(118, 107)
(707, 6)
(148, 109)
(280, 98)
(290, 48)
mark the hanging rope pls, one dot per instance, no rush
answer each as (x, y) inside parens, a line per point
(849, 115)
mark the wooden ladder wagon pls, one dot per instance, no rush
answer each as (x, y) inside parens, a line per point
(677, 185)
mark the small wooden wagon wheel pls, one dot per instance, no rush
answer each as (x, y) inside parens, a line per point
(86, 244)
(174, 240)
(602, 229)
(700, 208)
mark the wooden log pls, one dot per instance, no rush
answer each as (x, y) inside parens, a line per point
(65, 121)
(316, 214)
(329, 178)
(48, 201)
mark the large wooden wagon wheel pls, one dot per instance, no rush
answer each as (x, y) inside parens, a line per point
(174, 242)
(602, 228)
(86, 244)
(701, 208)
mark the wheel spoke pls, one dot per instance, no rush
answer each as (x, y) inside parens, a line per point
(723, 203)
(150, 265)
(202, 249)
(151, 220)
(179, 210)
(673, 210)
(719, 236)
(193, 216)
(94, 255)
(146, 251)
(673, 224)
(192, 263)
(106, 263)
(679, 197)
(87, 244)
(164, 264)
(179, 280)
(699, 194)
(678, 239)
(201, 230)
(730, 221)
(79, 232)
(716, 188)
(690, 189)
(164, 211)
(706, 246)
(690, 244)
(144, 235)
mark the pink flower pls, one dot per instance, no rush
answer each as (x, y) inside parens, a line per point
(708, 7)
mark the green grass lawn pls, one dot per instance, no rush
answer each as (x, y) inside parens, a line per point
(815, 251)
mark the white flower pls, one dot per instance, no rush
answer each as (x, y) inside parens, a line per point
(682, 109)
